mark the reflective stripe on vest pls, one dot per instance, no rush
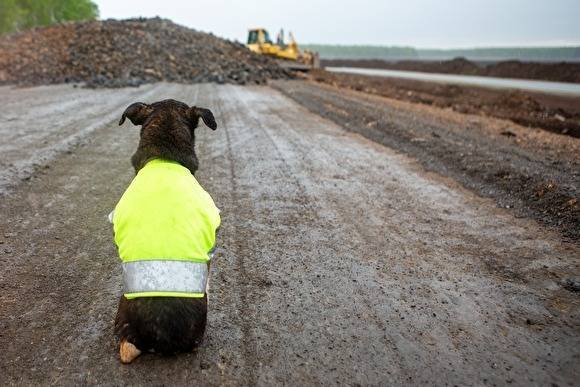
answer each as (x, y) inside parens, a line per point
(154, 278)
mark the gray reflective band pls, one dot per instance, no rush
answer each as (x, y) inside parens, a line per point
(164, 276)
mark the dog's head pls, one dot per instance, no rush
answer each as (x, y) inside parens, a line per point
(167, 131)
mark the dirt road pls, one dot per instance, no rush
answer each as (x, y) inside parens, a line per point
(340, 260)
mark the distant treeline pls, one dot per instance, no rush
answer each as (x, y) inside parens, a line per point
(568, 54)
(19, 15)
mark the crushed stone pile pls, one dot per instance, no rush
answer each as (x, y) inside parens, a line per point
(116, 53)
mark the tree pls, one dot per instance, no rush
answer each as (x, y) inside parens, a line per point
(18, 15)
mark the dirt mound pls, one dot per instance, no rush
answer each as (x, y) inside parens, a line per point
(560, 72)
(131, 52)
(455, 66)
(557, 72)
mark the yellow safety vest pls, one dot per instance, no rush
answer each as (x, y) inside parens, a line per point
(168, 220)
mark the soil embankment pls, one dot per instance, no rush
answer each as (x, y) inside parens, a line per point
(556, 72)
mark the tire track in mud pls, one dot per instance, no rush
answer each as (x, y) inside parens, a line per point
(282, 170)
(242, 286)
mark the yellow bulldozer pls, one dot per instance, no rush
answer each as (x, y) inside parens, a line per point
(288, 55)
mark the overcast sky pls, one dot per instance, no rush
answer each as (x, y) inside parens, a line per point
(418, 23)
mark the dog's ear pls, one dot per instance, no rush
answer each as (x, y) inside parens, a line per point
(137, 113)
(205, 114)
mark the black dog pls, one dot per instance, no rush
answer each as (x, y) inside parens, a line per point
(163, 324)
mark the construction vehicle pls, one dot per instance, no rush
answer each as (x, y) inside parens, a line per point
(288, 55)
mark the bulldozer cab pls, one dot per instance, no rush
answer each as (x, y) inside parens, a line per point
(258, 36)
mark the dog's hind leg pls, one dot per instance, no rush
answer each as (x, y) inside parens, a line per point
(128, 352)
(126, 331)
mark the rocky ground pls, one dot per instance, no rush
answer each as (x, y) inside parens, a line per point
(340, 260)
(560, 114)
(557, 72)
(114, 53)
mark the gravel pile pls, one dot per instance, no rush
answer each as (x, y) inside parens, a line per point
(131, 52)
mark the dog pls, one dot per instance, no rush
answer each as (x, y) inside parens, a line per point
(165, 227)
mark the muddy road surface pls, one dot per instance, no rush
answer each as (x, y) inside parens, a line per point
(339, 261)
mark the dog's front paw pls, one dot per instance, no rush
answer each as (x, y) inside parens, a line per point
(128, 352)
